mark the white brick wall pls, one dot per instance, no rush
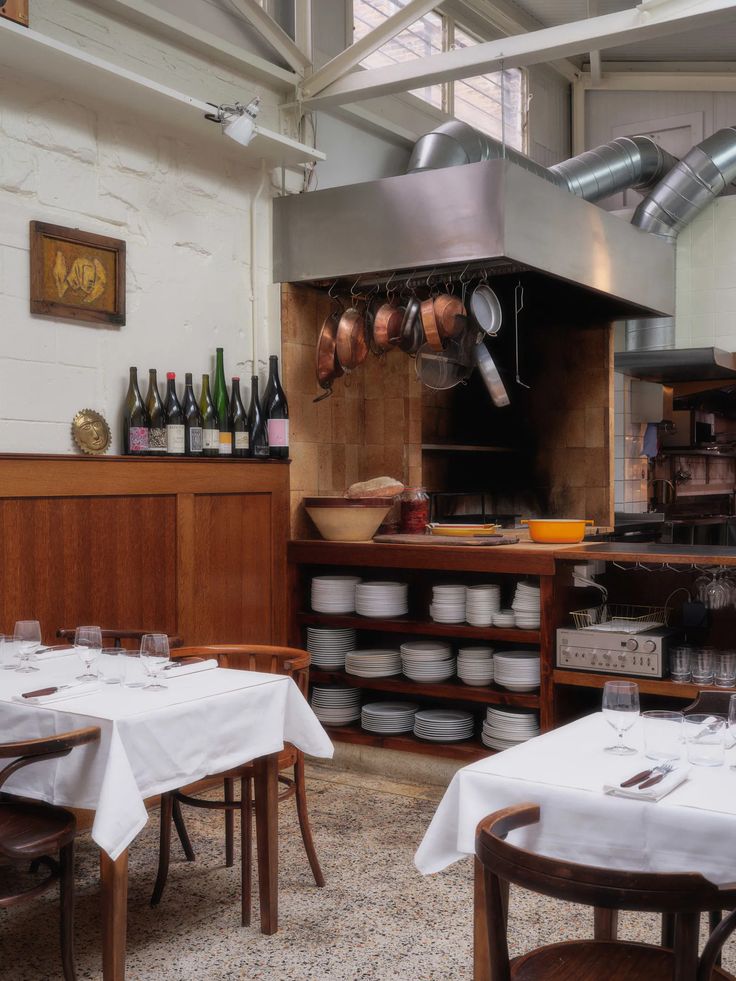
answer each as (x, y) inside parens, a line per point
(184, 211)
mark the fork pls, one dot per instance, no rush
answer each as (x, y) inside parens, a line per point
(662, 770)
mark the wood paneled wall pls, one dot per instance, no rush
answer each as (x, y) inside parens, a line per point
(195, 548)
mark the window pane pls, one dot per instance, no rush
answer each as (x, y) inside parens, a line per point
(422, 38)
(478, 100)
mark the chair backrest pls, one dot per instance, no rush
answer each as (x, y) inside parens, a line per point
(291, 661)
(47, 748)
(118, 636)
(710, 703)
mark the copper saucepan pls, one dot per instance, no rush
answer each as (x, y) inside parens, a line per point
(450, 314)
(351, 343)
(328, 367)
(429, 323)
(387, 325)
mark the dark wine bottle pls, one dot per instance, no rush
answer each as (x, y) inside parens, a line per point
(174, 418)
(156, 416)
(222, 407)
(239, 422)
(276, 411)
(192, 420)
(135, 419)
(257, 424)
(210, 422)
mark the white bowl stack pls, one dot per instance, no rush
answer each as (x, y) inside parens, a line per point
(334, 594)
(481, 603)
(517, 670)
(382, 599)
(374, 663)
(388, 717)
(506, 619)
(448, 604)
(475, 665)
(329, 646)
(335, 705)
(443, 725)
(507, 727)
(526, 606)
(427, 661)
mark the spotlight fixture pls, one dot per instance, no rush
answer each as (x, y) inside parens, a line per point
(238, 121)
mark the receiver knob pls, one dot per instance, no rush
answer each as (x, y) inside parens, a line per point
(649, 647)
(632, 644)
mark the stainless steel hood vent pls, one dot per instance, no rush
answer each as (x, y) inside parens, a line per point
(679, 365)
(487, 214)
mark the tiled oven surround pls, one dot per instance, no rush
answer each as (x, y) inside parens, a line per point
(630, 466)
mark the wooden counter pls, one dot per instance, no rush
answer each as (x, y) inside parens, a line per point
(654, 555)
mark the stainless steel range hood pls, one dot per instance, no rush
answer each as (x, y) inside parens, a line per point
(679, 365)
(493, 214)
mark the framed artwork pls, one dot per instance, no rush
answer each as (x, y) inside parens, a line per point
(76, 275)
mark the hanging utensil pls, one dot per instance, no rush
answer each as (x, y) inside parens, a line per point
(490, 376)
(411, 315)
(387, 325)
(450, 313)
(328, 367)
(429, 323)
(518, 307)
(444, 369)
(351, 343)
(486, 311)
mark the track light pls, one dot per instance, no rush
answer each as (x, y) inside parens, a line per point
(238, 121)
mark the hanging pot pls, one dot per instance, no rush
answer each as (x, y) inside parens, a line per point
(408, 336)
(429, 323)
(491, 378)
(351, 343)
(450, 314)
(486, 311)
(328, 367)
(387, 325)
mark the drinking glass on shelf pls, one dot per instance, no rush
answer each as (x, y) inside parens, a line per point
(704, 735)
(155, 656)
(621, 710)
(680, 664)
(88, 640)
(27, 639)
(662, 735)
(725, 675)
(703, 665)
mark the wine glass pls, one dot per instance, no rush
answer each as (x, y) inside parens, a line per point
(620, 710)
(88, 640)
(27, 637)
(155, 656)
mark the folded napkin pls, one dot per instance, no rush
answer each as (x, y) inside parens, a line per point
(46, 653)
(177, 670)
(655, 793)
(61, 694)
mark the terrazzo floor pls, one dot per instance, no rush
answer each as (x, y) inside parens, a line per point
(377, 919)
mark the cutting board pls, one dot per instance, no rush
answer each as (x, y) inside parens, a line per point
(439, 541)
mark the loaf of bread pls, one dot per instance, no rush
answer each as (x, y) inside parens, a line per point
(378, 487)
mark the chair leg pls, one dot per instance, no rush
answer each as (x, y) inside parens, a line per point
(714, 918)
(303, 815)
(164, 847)
(181, 830)
(686, 946)
(229, 822)
(246, 849)
(668, 929)
(66, 897)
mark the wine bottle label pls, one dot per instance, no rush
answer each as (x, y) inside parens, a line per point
(175, 438)
(210, 439)
(195, 439)
(226, 443)
(278, 432)
(242, 441)
(157, 439)
(138, 439)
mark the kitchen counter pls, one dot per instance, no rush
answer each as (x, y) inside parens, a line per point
(637, 552)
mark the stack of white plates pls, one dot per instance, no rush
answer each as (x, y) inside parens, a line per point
(448, 604)
(388, 717)
(382, 599)
(526, 606)
(504, 618)
(328, 646)
(427, 660)
(334, 594)
(504, 728)
(516, 670)
(443, 725)
(373, 663)
(475, 665)
(334, 705)
(481, 602)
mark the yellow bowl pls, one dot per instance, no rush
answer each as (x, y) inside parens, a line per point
(340, 519)
(463, 531)
(557, 531)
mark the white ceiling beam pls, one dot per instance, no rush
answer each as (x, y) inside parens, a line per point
(594, 55)
(608, 31)
(660, 82)
(341, 64)
(303, 28)
(270, 32)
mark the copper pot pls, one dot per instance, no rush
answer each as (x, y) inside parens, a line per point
(328, 367)
(387, 325)
(450, 314)
(429, 323)
(351, 343)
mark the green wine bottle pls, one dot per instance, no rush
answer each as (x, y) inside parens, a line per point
(210, 422)
(222, 407)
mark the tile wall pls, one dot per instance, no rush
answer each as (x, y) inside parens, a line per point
(630, 466)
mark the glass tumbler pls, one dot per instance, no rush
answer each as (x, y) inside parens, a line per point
(726, 669)
(703, 665)
(705, 738)
(680, 664)
(662, 735)
(112, 665)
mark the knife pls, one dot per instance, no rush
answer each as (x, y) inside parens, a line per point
(638, 778)
(44, 691)
(651, 782)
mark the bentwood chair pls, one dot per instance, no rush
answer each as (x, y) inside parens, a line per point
(682, 895)
(31, 832)
(273, 660)
(118, 636)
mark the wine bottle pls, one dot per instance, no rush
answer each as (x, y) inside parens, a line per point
(276, 411)
(192, 420)
(174, 417)
(210, 422)
(221, 405)
(156, 416)
(135, 419)
(239, 422)
(257, 424)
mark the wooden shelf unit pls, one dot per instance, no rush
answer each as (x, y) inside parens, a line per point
(648, 686)
(466, 752)
(404, 625)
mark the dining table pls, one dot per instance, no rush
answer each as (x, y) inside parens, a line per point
(205, 721)
(570, 776)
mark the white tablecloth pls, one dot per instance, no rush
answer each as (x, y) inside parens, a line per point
(691, 830)
(151, 741)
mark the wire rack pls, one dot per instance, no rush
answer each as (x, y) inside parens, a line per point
(622, 617)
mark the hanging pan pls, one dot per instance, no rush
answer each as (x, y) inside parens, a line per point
(351, 343)
(491, 378)
(485, 309)
(328, 367)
